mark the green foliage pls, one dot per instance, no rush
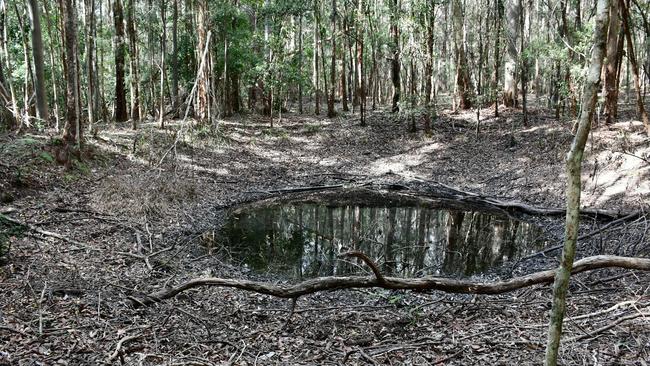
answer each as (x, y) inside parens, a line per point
(312, 128)
(46, 156)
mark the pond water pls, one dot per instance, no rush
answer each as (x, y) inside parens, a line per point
(303, 240)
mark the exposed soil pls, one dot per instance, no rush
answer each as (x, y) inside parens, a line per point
(140, 210)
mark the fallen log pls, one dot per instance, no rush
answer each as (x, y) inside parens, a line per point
(427, 283)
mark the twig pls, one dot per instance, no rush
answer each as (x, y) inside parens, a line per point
(48, 233)
(40, 310)
(585, 236)
(636, 156)
(441, 361)
(367, 261)
(299, 189)
(394, 283)
(608, 326)
(121, 342)
(291, 312)
(366, 356)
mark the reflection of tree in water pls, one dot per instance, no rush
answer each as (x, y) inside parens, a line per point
(303, 240)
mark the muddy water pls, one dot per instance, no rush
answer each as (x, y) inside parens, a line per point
(302, 240)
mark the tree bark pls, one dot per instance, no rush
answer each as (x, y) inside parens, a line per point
(610, 86)
(395, 51)
(163, 74)
(344, 86)
(90, 71)
(463, 81)
(54, 69)
(7, 57)
(121, 114)
(513, 10)
(72, 129)
(315, 76)
(203, 79)
(331, 112)
(360, 79)
(573, 168)
(643, 114)
(497, 52)
(174, 57)
(428, 68)
(378, 280)
(133, 65)
(37, 52)
(300, 64)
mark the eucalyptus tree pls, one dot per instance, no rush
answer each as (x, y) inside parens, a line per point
(37, 52)
(573, 190)
(120, 110)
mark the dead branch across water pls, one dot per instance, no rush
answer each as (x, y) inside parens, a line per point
(394, 283)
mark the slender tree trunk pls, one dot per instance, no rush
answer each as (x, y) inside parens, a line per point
(203, 80)
(90, 72)
(610, 86)
(513, 11)
(72, 129)
(53, 68)
(133, 65)
(395, 50)
(573, 166)
(497, 53)
(360, 81)
(7, 57)
(174, 57)
(29, 77)
(428, 69)
(463, 82)
(331, 112)
(643, 114)
(121, 114)
(37, 51)
(315, 75)
(524, 65)
(163, 50)
(300, 64)
(344, 86)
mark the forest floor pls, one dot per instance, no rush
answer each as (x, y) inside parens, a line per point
(137, 213)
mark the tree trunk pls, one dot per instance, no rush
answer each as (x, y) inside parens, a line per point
(360, 80)
(463, 82)
(331, 112)
(37, 51)
(7, 57)
(344, 86)
(174, 57)
(121, 114)
(573, 166)
(315, 77)
(428, 69)
(610, 87)
(133, 65)
(203, 79)
(90, 72)
(29, 77)
(163, 74)
(395, 50)
(300, 62)
(497, 52)
(54, 69)
(524, 66)
(513, 10)
(643, 114)
(72, 129)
